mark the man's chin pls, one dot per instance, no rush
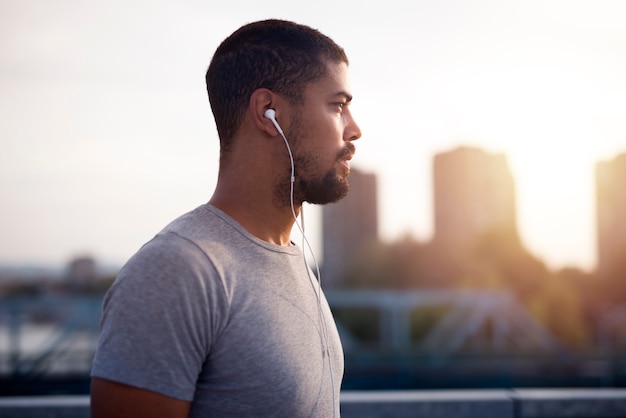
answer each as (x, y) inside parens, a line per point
(325, 198)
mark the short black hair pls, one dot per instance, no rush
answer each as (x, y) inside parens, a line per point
(279, 55)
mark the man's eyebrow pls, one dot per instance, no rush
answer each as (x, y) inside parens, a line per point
(343, 94)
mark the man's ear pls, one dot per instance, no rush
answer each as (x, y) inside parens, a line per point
(260, 101)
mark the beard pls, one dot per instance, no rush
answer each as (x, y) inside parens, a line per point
(311, 185)
(322, 189)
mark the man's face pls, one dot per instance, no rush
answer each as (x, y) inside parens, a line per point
(321, 134)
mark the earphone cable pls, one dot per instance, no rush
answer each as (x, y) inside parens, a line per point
(321, 319)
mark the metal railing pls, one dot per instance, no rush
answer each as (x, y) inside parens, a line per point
(536, 403)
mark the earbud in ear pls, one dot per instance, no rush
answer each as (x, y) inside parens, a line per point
(271, 115)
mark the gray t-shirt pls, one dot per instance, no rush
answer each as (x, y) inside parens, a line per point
(206, 312)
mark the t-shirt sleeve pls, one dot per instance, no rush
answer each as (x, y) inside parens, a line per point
(160, 318)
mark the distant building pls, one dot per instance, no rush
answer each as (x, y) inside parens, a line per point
(348, 226)
(473, 193)
(82, 270)
(611, 210)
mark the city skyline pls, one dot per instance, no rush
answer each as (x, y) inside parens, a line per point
(107, 135)
(478, 166)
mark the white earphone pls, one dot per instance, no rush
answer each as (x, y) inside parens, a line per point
(271, 115)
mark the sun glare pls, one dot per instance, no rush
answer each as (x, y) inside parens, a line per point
(542, 118)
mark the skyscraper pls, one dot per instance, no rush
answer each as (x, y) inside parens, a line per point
(348, 225)
(473, 194)
(611, 210)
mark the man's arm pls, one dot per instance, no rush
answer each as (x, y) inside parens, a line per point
(115, 400)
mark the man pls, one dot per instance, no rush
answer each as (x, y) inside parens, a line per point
(218, 315)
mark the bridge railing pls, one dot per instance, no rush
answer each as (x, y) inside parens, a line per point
(537, 403)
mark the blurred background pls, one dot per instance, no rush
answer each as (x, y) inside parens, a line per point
(483, 243)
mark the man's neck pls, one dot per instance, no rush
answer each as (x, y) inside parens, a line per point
(260, 217)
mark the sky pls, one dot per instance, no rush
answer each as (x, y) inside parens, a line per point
(106, 133)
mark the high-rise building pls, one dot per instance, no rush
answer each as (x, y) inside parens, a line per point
(473, 194)
(611, 210)
(348, 225)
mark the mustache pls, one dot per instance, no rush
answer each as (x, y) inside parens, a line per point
(347, 152)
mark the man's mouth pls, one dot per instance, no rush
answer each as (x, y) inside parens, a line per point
(347, 153)
(346, 156)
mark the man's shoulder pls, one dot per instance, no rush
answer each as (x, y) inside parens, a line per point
(204, 225)
(184, 254)
(202, 236)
